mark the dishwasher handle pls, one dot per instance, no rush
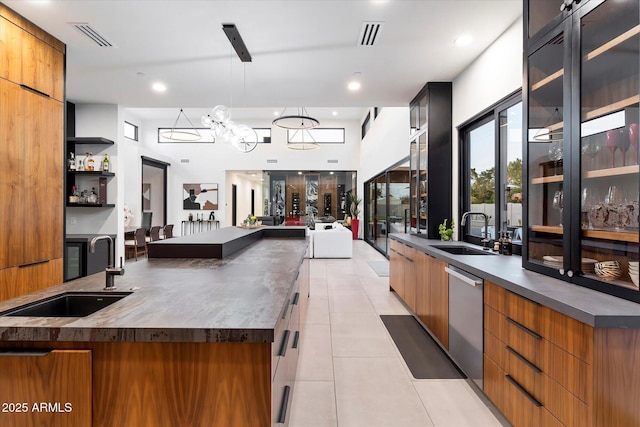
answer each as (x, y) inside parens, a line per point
(471, 281)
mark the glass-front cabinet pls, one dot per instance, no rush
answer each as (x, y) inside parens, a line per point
(582, 148)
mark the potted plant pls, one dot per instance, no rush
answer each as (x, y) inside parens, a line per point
(355, 211)
(446, 233)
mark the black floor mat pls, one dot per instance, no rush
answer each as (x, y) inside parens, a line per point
(423, 356)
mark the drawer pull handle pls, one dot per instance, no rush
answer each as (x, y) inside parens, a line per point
(523, 391)
(524, 360)
(297, 274)
(29, 264)
(24, 352)
(296, 337)
(284, 313)
(296, 297)
(36, 91)
(524, 328)
(285, 342)
(282, 416)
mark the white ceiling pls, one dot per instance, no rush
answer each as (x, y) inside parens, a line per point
(304, 51)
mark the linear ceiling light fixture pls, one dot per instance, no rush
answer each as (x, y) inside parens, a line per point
(236, 41)
(182, 134)
(302, 120)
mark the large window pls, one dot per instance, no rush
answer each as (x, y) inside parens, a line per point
(491, 171)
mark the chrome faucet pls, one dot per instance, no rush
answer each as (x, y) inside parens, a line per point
(111, 270)
(485, 241)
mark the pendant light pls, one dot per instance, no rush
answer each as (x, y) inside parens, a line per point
(302, 145)
(301, 120)
(184, 134)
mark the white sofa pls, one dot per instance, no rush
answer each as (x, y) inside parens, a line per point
(335, 242)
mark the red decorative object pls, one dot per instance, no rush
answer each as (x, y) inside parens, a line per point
(354, 228)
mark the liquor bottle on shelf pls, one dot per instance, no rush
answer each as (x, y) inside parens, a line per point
(72, 161)
(74, 197)
(105, 163)
(89, 163)
(92, 198)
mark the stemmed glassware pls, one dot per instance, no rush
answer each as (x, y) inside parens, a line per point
(623, 144)
(633, 138)
(612, 144)
(592, 148)
(558, 203)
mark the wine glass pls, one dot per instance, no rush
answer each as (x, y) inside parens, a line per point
(623, 144)
(633, 138)
(592, 148)
(555, 153)
(612, 144)
(558, 203)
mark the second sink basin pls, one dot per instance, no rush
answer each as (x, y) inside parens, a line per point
(68, 304)
(461, 250)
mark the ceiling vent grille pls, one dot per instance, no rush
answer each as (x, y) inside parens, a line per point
(332, 161)
(369, 33)
(272, 161)
(92, 34)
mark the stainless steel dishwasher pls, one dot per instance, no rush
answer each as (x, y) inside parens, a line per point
(466, 322)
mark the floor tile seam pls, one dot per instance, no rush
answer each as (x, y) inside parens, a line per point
(426, 410)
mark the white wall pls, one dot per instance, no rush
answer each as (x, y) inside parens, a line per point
(208, 163)
(244, 186)
(492, 76)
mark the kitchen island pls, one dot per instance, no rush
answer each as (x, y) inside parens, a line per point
(197, 342)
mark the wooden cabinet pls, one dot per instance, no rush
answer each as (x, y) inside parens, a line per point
(31, 155)
(31, 177)
(421, 282)
(543, 368)
(582, 86)
(46, 388)
(30, 57)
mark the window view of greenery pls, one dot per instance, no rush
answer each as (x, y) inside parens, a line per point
(483, 174)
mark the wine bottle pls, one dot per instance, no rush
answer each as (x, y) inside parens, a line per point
(72, 161)
(89, 163)
(105, 163)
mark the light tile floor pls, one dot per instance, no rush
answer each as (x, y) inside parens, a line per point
(351, 374)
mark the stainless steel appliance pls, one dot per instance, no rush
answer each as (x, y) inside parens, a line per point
(466, 322)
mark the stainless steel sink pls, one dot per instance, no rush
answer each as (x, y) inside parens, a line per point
(68, 304)
(461, 250)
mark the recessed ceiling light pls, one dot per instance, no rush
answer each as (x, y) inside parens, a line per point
(159, 87)
(354, 83)
(463, 40)
(299, 173)
(331, 173)
(275, 113)
(334, 113)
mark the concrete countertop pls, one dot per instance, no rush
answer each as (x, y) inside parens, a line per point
(235, 299)
(594, 308)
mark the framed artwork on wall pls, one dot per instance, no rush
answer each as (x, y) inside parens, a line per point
(200, 197)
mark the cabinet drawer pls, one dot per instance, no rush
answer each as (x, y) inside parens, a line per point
(18, 281)
(495, 296)
(523, 410)
(494, 384)
(61, 379)
(556, 399)
(560, 365)
(567, 333)
(495, 322)
(494, 349)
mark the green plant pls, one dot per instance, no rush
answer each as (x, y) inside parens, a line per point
(446, 233)
(355, 202)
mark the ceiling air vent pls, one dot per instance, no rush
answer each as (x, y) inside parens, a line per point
(369, 33)
(95, 36)
(272, 161)
(184, 160)
(332, 161)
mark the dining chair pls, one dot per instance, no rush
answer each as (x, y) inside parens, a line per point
(154, 234)
(138, 245)
(168, 231)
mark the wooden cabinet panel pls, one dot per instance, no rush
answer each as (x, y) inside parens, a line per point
(42, 67)
(494, 384)
(43, 159)
(570, 334)
(523, 311)
(422, 286)
(18, 281)
(410, 281)
(11, 174)
(439, 300)
(54, 389)
(10, 50)
(396, 268)
(524, 412)
(494, 349)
